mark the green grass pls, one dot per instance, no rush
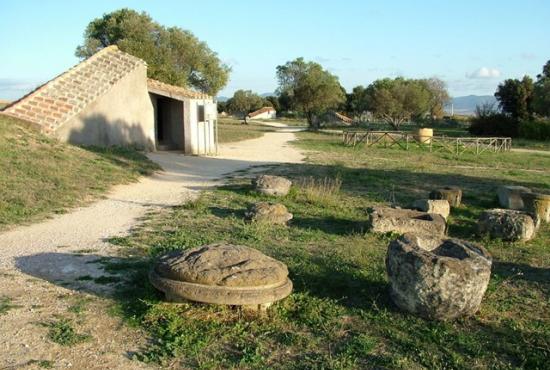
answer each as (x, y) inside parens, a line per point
(235, 131)
(6, 305)
(531, 144)
(339, 315)
(40, 176)
(62, 332)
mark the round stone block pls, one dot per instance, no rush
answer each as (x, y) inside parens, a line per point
(272, 185)
(439, 279)
(221, 274)
(506, 224)
(270, 213)
(452, 194)
(538, 205)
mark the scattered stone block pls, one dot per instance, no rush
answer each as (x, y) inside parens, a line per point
(271, 213)
(439, 279)
(221, 274)
(452, 194)
(272, 185)
(506, 224)
(509, 196)
(386, 219)
(437, 206)
(538, 205)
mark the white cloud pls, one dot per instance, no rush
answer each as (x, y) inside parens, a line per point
(484, 72)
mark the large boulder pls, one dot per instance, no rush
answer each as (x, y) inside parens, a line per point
(437, 206)
(386, 219)
(452, 194)
(439, 279)
(509, 196)
(506, 224)
(270, 213)
(538, 205)
(221, 274)
(272, 185)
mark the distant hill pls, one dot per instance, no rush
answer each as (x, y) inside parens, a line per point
(467, 104)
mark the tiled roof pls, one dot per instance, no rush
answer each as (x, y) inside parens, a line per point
(161, 88)
(55, 102)
(260, 111)
(343, 118)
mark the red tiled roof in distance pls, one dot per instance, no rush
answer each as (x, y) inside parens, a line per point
(63, 97)
(260, 111)
(172, 91)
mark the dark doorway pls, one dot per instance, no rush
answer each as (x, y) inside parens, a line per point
(169, 131)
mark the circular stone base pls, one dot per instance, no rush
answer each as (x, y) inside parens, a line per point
(179, 291)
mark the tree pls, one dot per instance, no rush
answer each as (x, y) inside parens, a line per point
(515, 97)
(272, 101)
(541, 94)
(358, 101)
(399, 100)
(439, 96)
(173, 55)
(243, 102)
(310, 88)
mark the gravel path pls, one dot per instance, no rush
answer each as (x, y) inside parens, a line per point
(36, 260)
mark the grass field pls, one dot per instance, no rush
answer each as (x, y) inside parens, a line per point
(339, 315)
(231, 130)
(40, 176)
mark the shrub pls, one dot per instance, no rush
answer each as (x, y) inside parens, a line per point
(494, 124)
(535, 130)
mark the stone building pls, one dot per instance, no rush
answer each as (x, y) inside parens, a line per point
(108, 100)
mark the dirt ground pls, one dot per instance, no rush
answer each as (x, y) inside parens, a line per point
(47, 270)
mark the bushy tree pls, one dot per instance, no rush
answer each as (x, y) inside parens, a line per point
(439, 96)
(243, 102)
(515, 97)
(272, 101)
(311, 89)
(173, 55)
(541, 99)
(398, 100)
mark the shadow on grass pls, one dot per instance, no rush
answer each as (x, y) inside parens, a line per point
(342, 281)
(330, 225)
(521, 271)
(125, 157)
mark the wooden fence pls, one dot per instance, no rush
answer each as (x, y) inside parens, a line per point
(405, 140)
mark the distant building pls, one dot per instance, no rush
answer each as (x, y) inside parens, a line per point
(108, 100)
(263, 113)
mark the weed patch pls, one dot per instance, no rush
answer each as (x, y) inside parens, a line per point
(62, 332)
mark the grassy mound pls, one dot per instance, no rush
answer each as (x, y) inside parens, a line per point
(40, 176)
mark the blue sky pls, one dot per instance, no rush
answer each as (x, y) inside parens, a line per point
(472, 45)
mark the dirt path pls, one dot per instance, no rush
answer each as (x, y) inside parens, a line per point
(45, 268)
(536, 151)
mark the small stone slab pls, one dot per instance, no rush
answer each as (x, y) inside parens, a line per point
(509, 196)
(506, 224)
(439, 279)
(272, 185)
(452, 194)
(538, 205)
(437, 206)
(386, 219)
(221, 274)
(270, 213)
